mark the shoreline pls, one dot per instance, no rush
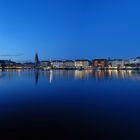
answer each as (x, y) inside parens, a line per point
(93, 69)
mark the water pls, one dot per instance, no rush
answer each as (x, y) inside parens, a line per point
(70, 104)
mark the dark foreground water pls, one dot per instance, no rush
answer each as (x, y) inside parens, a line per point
(70, 105)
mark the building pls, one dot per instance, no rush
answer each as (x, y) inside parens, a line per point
(2, 64)
(57, 64)
(117, 64)
(100, 63)
(45, 64)
(138, 60)
(19, 66)
(36, 60)
(134, 60)
(7, 64)
(82, 63)
(68, 64)
(133, 63)
(29, 65)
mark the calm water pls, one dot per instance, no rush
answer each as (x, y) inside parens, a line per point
(70, 104)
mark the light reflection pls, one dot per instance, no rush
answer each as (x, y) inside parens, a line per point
(129, 72)
(79, 74)
(83, 74)
(53, 75)
(121, 74)
(19, 72)
(36, 76)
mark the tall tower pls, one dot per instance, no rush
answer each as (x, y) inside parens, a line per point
(36, 60)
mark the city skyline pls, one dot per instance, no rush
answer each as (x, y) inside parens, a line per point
(69, 29)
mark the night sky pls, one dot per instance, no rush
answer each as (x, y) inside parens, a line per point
(69, 29)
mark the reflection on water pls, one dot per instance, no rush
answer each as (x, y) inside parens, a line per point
(36, 76)
(53, 75)
(80, 104)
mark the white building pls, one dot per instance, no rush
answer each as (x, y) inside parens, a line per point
(82, 63)
(57, 64)
(117, 63)
(134, 60)
(69, 64)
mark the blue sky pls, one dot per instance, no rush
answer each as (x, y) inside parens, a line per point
(69, 29)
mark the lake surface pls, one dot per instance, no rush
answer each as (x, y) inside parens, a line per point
(70, 104)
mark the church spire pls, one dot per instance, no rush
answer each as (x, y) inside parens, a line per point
(36, 60)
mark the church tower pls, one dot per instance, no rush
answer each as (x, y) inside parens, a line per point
(36, 60)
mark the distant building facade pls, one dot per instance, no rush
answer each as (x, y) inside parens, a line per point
(29, 65)
(134, 61)
(19, 65)
(2, 64)
(82, 63)
(57, 64)
(7, 64)
(68, 64)
(45, 63)
(100, 63)
(116, 63)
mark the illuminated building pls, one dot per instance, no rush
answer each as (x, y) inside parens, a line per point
(7, 64)
(101, 63)
(69, 64)
(57, 64)
(82, 63)
(116, 64)
(134, 60)
(45, 63)
(29, 65)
